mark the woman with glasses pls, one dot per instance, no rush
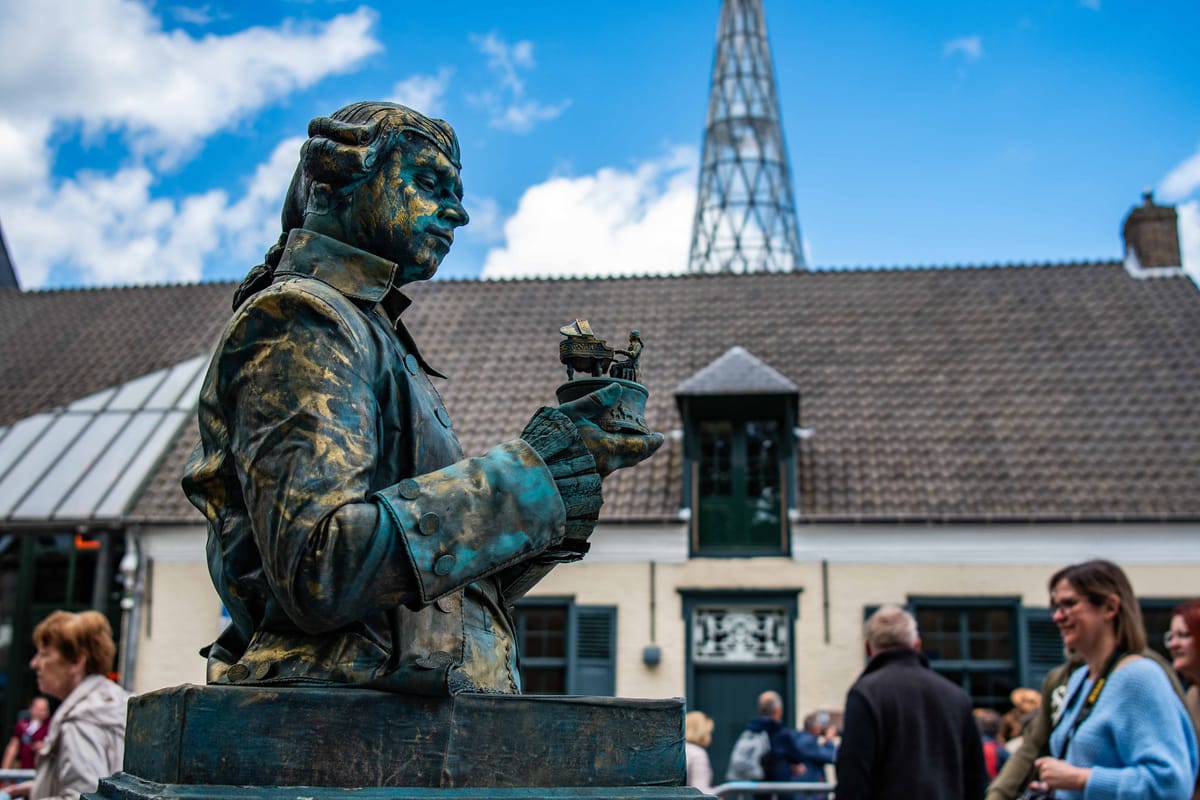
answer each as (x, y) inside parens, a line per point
(1122, 731)
(1182, 641)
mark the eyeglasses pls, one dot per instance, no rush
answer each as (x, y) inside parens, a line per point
(1065, 605)
(1171, 636)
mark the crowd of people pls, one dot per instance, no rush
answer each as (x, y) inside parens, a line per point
(1113, 721)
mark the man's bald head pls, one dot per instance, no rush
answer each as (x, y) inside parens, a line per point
(770, 704)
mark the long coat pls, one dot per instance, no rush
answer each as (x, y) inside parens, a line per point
(908, 733)
(349, 539)
(86, 741)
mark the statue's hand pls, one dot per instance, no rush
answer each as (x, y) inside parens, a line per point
(612, 451)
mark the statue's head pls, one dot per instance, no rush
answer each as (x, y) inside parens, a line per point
(383, 178)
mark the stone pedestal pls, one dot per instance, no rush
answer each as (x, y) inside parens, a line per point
(207, 742)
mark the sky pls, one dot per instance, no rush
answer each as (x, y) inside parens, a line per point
(152, 142)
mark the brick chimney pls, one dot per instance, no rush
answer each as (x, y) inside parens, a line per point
(1152, 235)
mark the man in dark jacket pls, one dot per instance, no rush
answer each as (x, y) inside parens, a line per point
(908, 732)
(782, 762)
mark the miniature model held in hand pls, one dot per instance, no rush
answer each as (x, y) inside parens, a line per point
(349, 538)
(582, 350)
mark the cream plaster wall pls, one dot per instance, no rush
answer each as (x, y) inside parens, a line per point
(825, 665)
(866, 566)
(181, 617)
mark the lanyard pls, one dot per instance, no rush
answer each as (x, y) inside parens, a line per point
(1090, 700)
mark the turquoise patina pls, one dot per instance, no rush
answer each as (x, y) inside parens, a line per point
(350, 540)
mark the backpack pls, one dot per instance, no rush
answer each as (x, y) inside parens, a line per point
(746, 760)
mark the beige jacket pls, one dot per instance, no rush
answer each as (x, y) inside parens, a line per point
(86, 741)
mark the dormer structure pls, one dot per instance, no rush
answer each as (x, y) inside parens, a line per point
(739, 416)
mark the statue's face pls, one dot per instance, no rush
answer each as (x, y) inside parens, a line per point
(408, 211)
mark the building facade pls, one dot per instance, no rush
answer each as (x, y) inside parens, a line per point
(941, 438)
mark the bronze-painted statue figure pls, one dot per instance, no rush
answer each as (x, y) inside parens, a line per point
(350, 540)
(629, 369)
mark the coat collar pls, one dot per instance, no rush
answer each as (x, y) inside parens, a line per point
(354, 273)
(896, 655)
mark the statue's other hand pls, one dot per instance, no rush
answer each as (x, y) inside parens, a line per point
(612, 451)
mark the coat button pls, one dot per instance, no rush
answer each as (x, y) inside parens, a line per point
(443, 565)
(262, 671)
(410, 364)
(443, 417)
(429, 524)
(408, 489)
(444, 604)
(238, 673)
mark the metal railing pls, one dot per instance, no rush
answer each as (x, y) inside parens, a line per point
(735, 788)
(16, 775)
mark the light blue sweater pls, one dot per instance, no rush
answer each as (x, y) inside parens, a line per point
(1138, 741)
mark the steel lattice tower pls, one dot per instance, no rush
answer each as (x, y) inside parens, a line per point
(745, 215)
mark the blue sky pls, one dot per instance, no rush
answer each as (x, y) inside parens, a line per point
(152, 142)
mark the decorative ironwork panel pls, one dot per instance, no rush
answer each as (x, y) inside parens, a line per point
(740, 635)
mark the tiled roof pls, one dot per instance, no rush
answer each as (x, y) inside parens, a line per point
(1051, 392)
(59, 346)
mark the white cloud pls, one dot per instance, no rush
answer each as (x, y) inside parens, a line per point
(114, 69)
(423, 93)
(521, 117)
(504, 59)
(120, 234)
(971, 47)
(612, 222)
(507, 105)
(1182, 180)
(487, 220)
(199, 15)
(1189, 237)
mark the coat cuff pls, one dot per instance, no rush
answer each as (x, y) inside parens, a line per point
(474, 518)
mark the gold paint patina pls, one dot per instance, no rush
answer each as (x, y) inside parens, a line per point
(324, 444)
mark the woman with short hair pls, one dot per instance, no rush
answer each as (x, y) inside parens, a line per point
(86, 741)
(1122, 731)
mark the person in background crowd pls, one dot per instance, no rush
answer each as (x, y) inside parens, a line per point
(86, 740)
(698, 728)
(1138, 740)
(994, 754)
(1018, 771)
(1025, 701)
(782, 761)
(1182, 641)
(28, 734)
(818, 747)
(908, 732)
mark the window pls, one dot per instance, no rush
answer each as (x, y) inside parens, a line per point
(740, 497)
(566, 648)
(1156, 617)
(973, 643)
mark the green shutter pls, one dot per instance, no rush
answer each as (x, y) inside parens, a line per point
(595, 651)
(1043, 647)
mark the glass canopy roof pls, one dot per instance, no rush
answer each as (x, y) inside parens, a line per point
(88, 460)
